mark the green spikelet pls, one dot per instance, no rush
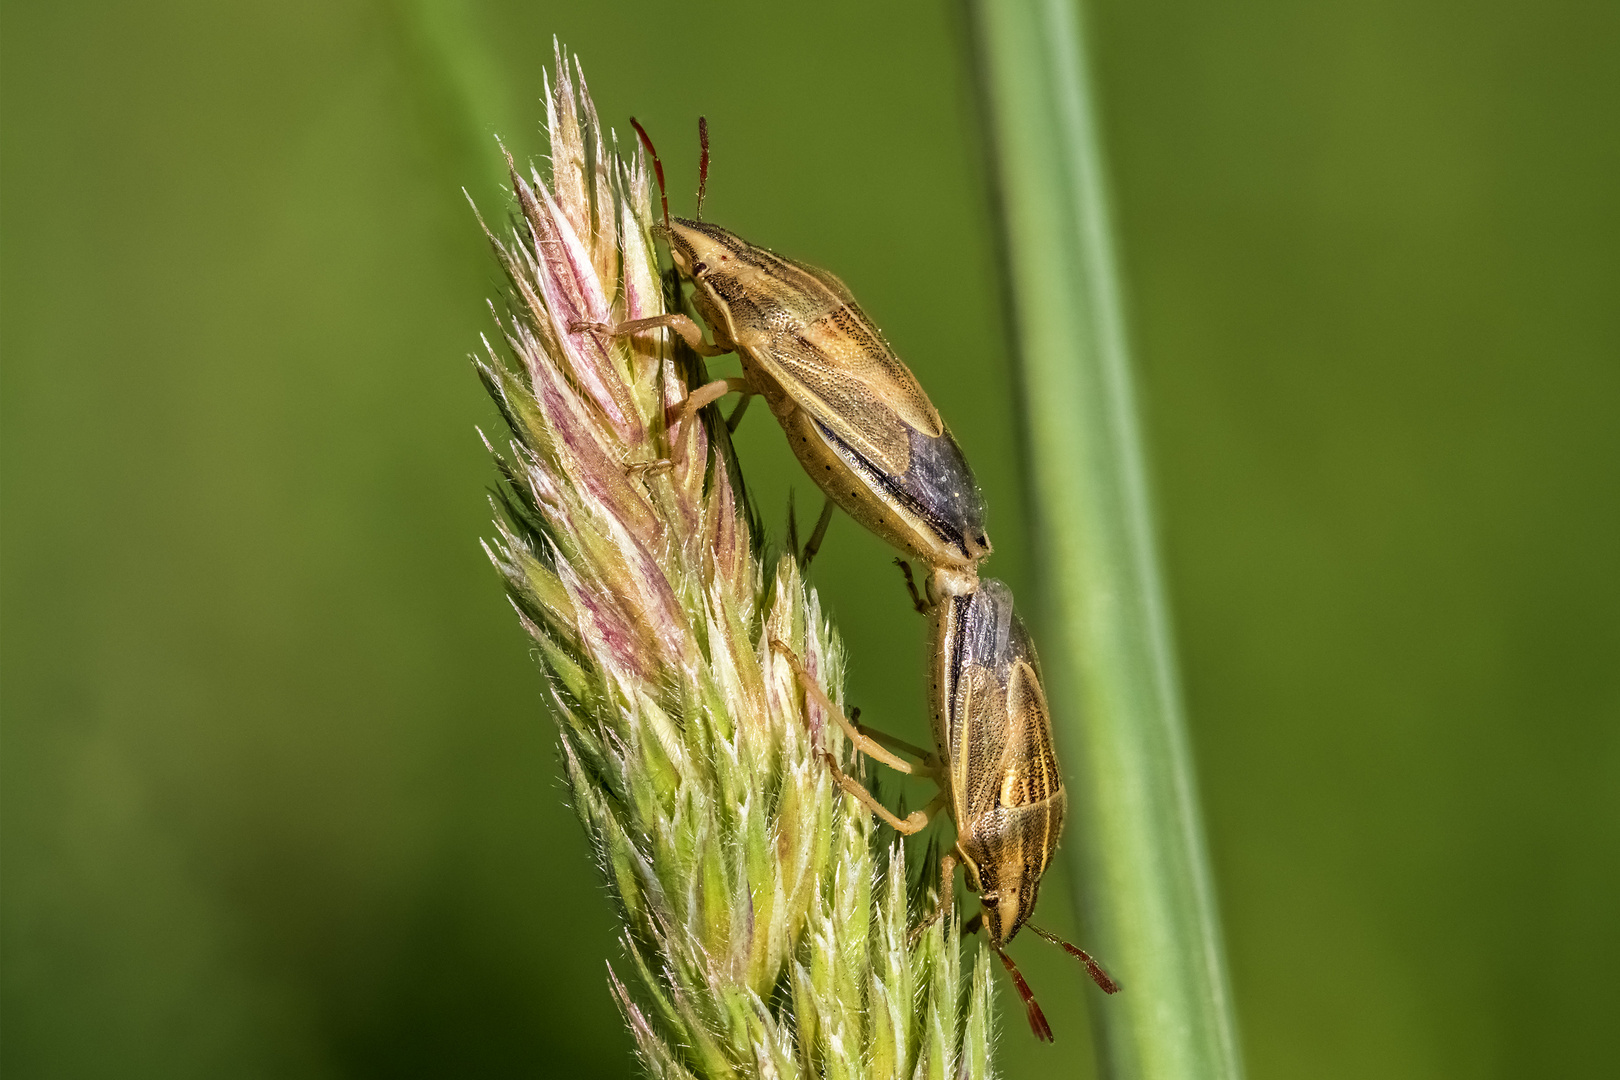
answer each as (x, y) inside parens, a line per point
(764, 927)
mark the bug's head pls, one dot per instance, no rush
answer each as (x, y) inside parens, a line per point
(711, 258)
(701, 250)
(1009, 901)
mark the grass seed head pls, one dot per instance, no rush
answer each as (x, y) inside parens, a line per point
(764, 922)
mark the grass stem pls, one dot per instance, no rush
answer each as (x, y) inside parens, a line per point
(1137, 851)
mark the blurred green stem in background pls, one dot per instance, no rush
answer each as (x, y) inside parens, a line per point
(1144, 882)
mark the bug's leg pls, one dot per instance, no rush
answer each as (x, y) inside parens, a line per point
(813, 545)
(690, 332)
(973, 925)
(929, 759)
(914, 822)
(911, 587)
(947, 898)
(706, 394)
(737, 414)
(864, 743)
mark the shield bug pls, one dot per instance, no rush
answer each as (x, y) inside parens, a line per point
(995, 764)
(855, 416)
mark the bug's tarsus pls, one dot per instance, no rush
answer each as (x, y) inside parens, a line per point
(911, 587)
(1104, 981)
(973, 925)
(1037, 1019)
(909, 825)
(658, 165)
(703, 163)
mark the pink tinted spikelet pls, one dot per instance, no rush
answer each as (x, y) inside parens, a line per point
(764, 925)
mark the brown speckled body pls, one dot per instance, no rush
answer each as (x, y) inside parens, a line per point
(993, 731)
(856, 418)
(864, 430)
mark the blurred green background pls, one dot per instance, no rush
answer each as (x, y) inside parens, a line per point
(279, 794)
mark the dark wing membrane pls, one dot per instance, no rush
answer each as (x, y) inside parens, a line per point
(941, 485)
(937, 486)
(990, 630)
(983, 623)
(970, 626)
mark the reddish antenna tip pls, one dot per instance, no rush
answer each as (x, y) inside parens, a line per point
(1037, 1019)
(703, 163)
(1104, 981)
(658, 166)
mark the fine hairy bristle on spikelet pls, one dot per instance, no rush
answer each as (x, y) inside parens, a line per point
(764, 923)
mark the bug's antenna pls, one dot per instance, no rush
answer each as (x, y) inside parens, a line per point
(1103, 980)
(658, 166)
(1037, 1019)
(703, 163)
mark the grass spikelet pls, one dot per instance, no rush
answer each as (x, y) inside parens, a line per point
(764, 920)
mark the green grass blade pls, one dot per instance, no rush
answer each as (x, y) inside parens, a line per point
(1137, 845)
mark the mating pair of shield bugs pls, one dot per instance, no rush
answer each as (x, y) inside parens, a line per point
(867, 434)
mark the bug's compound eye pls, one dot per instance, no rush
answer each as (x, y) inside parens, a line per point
(699, 269)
